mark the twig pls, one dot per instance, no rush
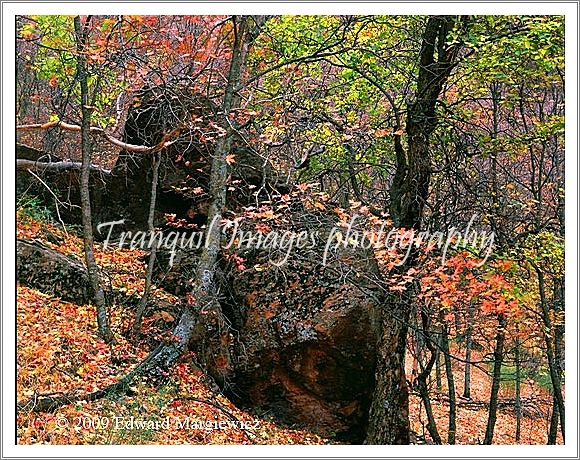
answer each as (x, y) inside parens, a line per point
(56, 201)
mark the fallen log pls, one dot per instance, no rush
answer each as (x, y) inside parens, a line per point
(531, 407)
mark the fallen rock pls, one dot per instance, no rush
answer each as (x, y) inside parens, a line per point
(307, 336)
(303, 334)
(51, 272)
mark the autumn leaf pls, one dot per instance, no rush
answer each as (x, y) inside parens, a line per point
(382, 132)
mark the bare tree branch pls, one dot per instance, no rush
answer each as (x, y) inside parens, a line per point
(30, 165)
(166, 141)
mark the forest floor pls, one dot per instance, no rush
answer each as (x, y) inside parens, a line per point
(472, 413)
(58, 352)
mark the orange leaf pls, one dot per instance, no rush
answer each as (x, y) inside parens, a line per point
(382, 132)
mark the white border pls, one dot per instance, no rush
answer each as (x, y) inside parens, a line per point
(9, 10)
(285, 7)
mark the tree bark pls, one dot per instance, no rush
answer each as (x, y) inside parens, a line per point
(92, 268)
(151, 264)
(554, 419)
(518, 391)
(468, 344)
(389, 412)
(498, 359)
(452, 427)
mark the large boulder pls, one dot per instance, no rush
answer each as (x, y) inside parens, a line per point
(51, 272)
(307, 340)
(305, 332)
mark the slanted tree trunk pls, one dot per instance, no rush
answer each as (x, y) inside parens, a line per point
(518, 391)
(98, 295)
(389, 412)
(555, 375)
(151, 264)
(554, 419)
(498, 360)
(202, 310)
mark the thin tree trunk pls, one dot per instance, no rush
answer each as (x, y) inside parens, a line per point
(422, 380)
(450, 385)
(151, 264)
(498, 359)
(92, 268)
(558, 344)
(458, 334)
(554, 419)
(555, 375)
(518, 392)
(438, 373)
(468, 344)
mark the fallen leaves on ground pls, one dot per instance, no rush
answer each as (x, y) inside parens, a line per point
(59, 353)
(472, 421)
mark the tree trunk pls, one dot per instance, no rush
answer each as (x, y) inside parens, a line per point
(498, 359)
(468, 344)
(389, 412)
(450, 384)
(555, 375)
(151, 264)
(98, 294)
(518, 392)
(559, 284)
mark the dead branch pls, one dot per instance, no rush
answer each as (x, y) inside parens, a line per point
(57, 202)
(532, 407)
(59, 166)
(165, 142)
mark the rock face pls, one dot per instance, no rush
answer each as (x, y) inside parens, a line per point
(305, 333)
(307, 343)
(51, 272)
